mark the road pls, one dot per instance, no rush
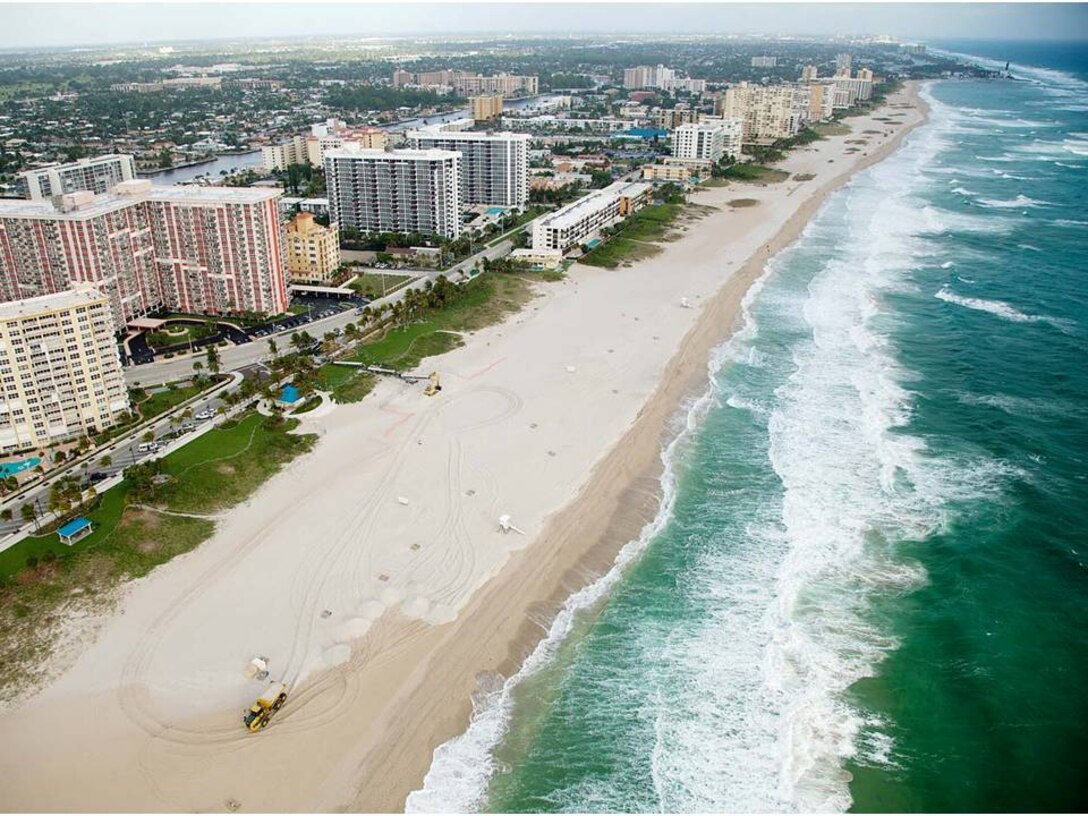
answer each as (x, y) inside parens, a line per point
(122, 452)
(233, 358)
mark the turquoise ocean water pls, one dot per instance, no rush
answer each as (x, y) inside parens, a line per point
(868, 585)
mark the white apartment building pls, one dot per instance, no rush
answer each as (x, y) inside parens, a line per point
(695, 86)
(494, 166)
(809, 73)
(279, 157)
(96, 174)
(849, 91)
(764, 62)
(580, 220)
(709, 140)
(60, 375)
(647, 76)
(395, 190)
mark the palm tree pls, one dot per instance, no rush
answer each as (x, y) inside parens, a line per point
(106, 461)
(213, 359)
(272, 347)
(198, 367)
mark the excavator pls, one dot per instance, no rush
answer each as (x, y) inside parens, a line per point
(434, 386)
(270, 701)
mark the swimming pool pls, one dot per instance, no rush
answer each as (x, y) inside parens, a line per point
(496, 210)
(13, 468)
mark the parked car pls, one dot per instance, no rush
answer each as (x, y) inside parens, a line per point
(207, 413)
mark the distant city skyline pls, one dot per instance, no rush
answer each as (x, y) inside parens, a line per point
(39, 25)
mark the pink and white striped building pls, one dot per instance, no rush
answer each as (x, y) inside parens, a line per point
(208, 250)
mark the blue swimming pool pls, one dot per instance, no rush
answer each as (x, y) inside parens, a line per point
(290, 395)
(14, 468)
(496, 210)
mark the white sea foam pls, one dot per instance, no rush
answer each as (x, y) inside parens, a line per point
(1019, 202)
(999, 308)
(948, 264)
(1021, 406)
(758, 719)
(463, 766)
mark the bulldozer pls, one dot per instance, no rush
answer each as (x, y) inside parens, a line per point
(270, 701)
(434, 386)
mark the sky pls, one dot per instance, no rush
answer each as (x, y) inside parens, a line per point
(63, 24)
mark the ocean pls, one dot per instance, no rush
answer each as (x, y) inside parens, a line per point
(867, 587)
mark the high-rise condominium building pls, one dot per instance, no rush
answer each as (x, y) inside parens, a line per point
(313, 251)
(60, 375)
(648, 76)
(766, 111)
(97, 175)
(198, 249)
(494, 166)
(395, 190)
(843, 60)
(709, 140)
(809, 73)
(764, 62)
(486, 108)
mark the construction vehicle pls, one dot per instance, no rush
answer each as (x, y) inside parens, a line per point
(270, 701)
(434, 386)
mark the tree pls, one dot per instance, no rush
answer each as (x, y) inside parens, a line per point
(198, 367)
(149, 436)
(106, 461)
(29, 512)
(272, 347)
(5, 514)
(213, 360)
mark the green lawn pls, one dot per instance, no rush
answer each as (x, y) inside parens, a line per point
(226, 465)
(346, 383)
(43, 582)
(831, 128)
(746, 171)
(636, 238)
(160, 402)
(373, 285)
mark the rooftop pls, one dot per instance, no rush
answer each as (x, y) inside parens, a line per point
(576, 210)
(138, 191)
(69, 298)
(391, 155)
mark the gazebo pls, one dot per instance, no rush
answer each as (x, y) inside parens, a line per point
(75, 530)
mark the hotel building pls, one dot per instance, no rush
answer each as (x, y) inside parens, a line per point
(97, 175)
(395, 190)
(494, 166)
(580, 220)
(199, 249)
(710, 140)
(313, 251)
(60, 375)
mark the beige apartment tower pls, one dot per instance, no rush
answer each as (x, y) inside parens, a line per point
(60, 375)
(486, 108)
(313, 251)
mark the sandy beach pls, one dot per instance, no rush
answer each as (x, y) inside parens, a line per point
(373, 573)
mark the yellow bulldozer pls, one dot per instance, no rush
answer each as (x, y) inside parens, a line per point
(434, 386)
(270, 701)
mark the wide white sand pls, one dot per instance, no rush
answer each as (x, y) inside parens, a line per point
(366, 605)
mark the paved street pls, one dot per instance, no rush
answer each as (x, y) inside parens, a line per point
(235, 357)
(122, 452)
